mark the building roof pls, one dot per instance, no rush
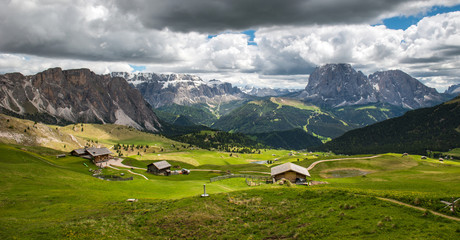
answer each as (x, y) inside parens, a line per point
(289, 167)
(98, 151)
(80, 151)
(161, 165)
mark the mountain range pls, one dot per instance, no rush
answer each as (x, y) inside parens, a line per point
(338, 89)
(336, 99)
(182, 89)
(338, 85)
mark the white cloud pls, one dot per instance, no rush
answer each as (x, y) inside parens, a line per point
(102, 36)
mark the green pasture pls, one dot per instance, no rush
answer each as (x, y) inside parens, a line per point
(39, 191)
(44, 197)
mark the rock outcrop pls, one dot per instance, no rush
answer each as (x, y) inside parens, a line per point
(336, 85)
(398, 88)
(183, 89)
(71, 96)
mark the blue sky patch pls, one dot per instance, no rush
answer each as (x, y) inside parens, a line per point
(251, 34)
(403, 22)
(137, 68)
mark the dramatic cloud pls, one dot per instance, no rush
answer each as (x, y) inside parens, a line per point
(291, 37)
(86, 30)
(222, 15)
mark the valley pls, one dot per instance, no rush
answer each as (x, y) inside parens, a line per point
(47, 197)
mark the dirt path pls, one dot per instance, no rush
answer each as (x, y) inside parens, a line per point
(129, 172)
(117, 162)
(338, 159)
(419, 208)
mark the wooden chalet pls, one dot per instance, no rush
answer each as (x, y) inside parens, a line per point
(96, 154)
(159, 168)
(289, 171)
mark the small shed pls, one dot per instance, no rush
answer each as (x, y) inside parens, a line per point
(78, 152)
(289, 171)
(159, 168)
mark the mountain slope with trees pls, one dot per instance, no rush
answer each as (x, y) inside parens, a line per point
(436, 129)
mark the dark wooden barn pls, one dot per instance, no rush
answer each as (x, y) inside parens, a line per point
(159, 168)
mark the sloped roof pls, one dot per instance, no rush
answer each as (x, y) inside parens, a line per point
(98, 151)
(161, 165)
(289, 167)
(80, 151)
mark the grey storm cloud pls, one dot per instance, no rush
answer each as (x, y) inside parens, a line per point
(220, 15)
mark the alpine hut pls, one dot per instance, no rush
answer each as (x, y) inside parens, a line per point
(159, 168)
(290, 171)
(96, 154)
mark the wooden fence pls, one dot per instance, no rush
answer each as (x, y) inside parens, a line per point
(257, 177)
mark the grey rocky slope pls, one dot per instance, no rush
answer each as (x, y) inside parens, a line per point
(453, 90)
(268, 92)
(72, 96)
(337, 85)
(398, 88)
(183, 89)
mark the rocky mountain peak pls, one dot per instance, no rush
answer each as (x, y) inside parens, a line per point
(70, 96)
(399, 88)
(183, 89)
(453, 90)
(338, 85)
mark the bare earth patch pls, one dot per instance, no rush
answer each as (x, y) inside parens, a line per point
(344, 172)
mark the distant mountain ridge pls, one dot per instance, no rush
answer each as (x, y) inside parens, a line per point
(453, 90)
(59, 96)
(183, 89)
(267, 92)
(338, 85)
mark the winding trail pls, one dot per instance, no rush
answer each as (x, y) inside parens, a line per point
(338, 159)
(129, 172)
(418, 208)
(117, 162)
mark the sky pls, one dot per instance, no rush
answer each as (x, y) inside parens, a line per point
(263, 43)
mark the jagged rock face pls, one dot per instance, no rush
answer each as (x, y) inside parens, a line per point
(183, 89)
(73, 96)
(398, 88)
(266, 92)
(453, 90)
(339, 85)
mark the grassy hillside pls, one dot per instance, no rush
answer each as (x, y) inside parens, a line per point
(436, 128)
(47, 198)
(363, 115)
(198, 115)
(278, 114)
(25, 132)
